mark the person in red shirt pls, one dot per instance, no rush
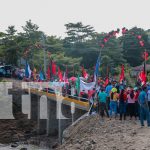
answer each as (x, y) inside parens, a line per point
(122, 103)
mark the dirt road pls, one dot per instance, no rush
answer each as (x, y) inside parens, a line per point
(91, 134)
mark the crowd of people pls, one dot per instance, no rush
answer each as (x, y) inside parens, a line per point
(111, 100)
(117, 100)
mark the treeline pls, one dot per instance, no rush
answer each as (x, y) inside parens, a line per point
(80, 47)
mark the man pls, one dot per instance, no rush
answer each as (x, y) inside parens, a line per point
(108, 90)
(102, 97)
(144, 109)
(148, 93)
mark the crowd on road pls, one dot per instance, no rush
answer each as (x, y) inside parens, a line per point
(122, 101)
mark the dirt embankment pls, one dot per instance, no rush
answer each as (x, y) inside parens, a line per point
(90, 134)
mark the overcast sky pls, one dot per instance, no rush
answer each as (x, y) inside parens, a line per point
(51, 15)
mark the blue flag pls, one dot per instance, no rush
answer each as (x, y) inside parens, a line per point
(97, 67)
(27, 71)
(41, 76)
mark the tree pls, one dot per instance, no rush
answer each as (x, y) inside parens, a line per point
(88, 47)
(2, 36)
(10, 46)
(78, 33)
(131, 48)
(78, 42)
(54, 44)
(30, 41)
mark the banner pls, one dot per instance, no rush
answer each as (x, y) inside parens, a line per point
(86, 86)
(54, 85)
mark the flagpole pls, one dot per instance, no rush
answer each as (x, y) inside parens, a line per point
(99, 57)
(100, 53)
(145, 62)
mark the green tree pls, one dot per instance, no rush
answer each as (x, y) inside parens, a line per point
(78, 33)
(30, 41)
(78, 43)
(10, 46)
(131, 48)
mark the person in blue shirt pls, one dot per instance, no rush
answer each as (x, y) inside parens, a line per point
(102, 97)
(108, 90)
(144, 109)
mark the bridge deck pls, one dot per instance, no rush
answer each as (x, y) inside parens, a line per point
(65, 100)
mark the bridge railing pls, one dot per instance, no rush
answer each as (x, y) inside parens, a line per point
(67, 95)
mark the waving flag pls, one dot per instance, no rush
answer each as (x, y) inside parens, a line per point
(97, 67)
(122, 74)
(41, 76)
(106, 82)
(27, 71)
(60, 74)
(78, 85)
(84, 73)
(53, 68)
(48, 73)
(142, 77)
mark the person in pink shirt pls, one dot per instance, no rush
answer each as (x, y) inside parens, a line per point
(131, 104)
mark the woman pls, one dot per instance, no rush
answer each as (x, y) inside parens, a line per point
(131, 104)
(113, 101)
(122, 104)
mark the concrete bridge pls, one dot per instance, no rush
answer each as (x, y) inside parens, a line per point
(52, 125)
